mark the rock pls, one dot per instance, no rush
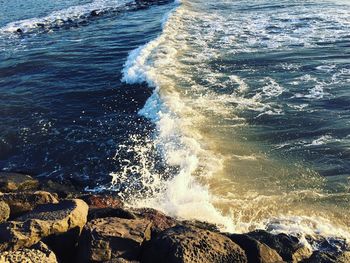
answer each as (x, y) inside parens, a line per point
(301, 253)
(10, 182)
(101, 206)
(327, 257)
(114, 238)
(159, 220)
(288, 247)
(201, 224)
(65, 189)
(36, 254)
(191, 244)
(24, 202)
(4, 211)
(102, 201)
(95, 213)
(50, 221)
(256, 252)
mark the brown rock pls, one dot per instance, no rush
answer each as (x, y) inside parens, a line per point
(101, 206)
(201, 224)
(24, 202)
(300, 254)
(10, 182)
(328, 257)
(288, 247)
(36, 254)
(190, 244)
(159, 220)
(49, 220)
(256, 252)
(113, 238)
(102, 201)
(4, 211)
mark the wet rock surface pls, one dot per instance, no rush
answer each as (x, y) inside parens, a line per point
(113, 238)
(101, 201)
(17, 182)
(159, 220)
(255, 250)
(288, 247)
(190, 244)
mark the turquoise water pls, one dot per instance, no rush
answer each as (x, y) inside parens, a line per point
(235, 112)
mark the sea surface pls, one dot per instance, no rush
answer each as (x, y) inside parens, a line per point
(235, 112)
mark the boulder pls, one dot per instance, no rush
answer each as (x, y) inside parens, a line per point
(101, 206)
(10, 182)
(38, 253)
(4, 211)
(328, 257)
(191, 244)
(159, 220)
(288, 247)
(54, 222)
(25, 201)
(256, 252)
(113, 238)
(102, 201)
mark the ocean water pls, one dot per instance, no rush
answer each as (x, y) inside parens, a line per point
(234, 112)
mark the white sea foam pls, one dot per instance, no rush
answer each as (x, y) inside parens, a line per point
(323, 140)
(181, 195)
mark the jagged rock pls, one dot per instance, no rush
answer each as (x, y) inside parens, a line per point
(113, 238)
(38, 253)
(300, 254)
(50, 221)
(327, 257)
(288, 247)
(10, 182)
(4, 211)
(102, 201)
(159, 220)
(24, 202)
(191, 244)
(256, 252)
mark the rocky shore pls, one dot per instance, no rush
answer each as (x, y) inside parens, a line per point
(46, 221)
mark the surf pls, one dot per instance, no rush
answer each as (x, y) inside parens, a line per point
(193, 115)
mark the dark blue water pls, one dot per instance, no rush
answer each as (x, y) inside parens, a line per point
(63, 108)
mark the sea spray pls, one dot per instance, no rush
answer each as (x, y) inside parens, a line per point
(182, 195)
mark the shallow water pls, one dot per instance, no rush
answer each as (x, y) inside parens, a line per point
(236, 112)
